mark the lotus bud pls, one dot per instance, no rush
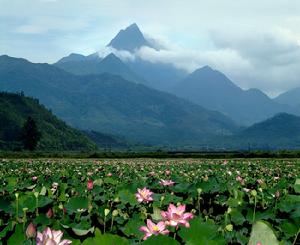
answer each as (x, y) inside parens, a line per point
(106, 212)
(17, 195)
(115, 213)
(199, 190)
(254, 193)
(229, 210)
(31, 231)
(90, 185)
(49, 214)
(36, 194)
(229, 227)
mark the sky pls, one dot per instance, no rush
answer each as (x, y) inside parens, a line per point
(256, 43)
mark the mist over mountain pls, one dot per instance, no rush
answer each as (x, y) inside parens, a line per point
(157, 75)
(205, 86)
(122, 94)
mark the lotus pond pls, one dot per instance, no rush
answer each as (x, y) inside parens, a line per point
(150, 201)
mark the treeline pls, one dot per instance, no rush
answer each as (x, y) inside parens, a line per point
(25, 124)
(156, 154)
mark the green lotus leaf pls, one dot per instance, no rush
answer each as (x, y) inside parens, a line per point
(201, 232)
(262, 233)
(156, 240)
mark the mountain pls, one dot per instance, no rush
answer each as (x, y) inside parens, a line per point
(158, 75)
(88, 65)
(213, 90)
(72, 58)
(113, 105)
(291, 97)
(282, 131)
(55, 134)
(129, 39)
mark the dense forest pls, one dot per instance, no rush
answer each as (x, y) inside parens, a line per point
(56, 135)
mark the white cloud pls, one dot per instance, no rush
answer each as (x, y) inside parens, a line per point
(122, 54)
(254, 42)
(274, 56)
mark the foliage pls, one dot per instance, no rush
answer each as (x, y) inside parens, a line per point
(30, 134)
(24, 119)
(226, 198)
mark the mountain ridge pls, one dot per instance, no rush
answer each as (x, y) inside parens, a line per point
(214, 90)
(110, 104)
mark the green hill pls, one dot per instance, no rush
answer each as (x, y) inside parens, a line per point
(55, 134)
(279, 132)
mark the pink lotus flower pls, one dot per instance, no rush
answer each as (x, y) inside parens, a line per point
(144, 195)
(154, 229)
(176, 216)
(34, 178)
(51, 237)
(166, 182)
(109, 175)
(90, 185)
(167, 172)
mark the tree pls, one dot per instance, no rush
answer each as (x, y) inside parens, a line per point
(30, 134)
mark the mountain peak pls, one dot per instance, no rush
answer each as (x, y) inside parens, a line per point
(204, 69)
(111, 58)
(129, 39)
(72, 57)
(133, 26)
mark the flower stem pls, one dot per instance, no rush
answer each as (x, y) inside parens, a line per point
(175, 232)
(17, 208)
(37, 206)
(295, 240)
(112, 223)
(254, 209)
(199, 206)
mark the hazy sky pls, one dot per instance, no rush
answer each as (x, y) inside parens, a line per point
(255, 42)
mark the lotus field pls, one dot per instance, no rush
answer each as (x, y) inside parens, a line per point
(150, 201)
